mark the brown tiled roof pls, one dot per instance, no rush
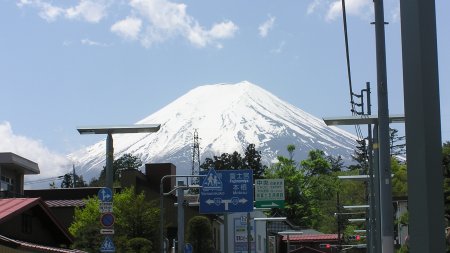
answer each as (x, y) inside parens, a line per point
(65, 203)
(311, 237)
(13, 206)
(36, 247)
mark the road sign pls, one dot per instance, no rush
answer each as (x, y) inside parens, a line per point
(107, 245)
(269, 193)
(105, 195)
(226, 191)
(188, 248)
(106, 207)
(106, 231)
(107, 220)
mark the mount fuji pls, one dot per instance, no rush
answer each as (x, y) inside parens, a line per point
(227, 117)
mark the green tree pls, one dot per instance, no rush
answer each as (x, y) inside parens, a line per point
(400, 179)
(199, 234)
(67, 181)
(135, 218)
(360, 156)
(397, 143)
(316, 163)
(126, 161)
(234, 161)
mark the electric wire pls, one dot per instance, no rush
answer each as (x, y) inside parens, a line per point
(349, 75)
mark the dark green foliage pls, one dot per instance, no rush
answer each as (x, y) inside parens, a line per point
(400, 179)
(139, 245)
(252, 160)
(316, 164)
(336, 163)
(446, 170)
(360, 156)
(199, 234)
(67, 181)
(134, 218)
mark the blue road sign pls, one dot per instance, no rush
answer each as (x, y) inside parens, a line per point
(107, 219)
(105, 195)
(226, 191)
(188, 248)
(107, 245)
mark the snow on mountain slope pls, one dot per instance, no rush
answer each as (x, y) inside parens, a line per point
(227, 117)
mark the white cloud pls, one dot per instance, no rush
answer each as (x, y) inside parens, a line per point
(361, 8)
(87, 10)
(90, 11)
(313, 6)
(128, 28)
(167, 20)
(50, 164)
(265, 27)
(89, 42)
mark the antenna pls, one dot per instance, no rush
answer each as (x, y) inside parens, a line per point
(195, 157)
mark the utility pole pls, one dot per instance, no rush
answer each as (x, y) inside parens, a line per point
(423, 126)
(73, 175)
(387, 220)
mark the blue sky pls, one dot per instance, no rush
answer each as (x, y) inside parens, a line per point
(83, 62)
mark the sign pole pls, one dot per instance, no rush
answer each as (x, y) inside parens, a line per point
(249, 234)
(180, 200)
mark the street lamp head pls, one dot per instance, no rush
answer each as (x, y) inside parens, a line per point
(119, 129)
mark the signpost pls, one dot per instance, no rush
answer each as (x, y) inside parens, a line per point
(226, 191)
(106, 219)
(269, 193)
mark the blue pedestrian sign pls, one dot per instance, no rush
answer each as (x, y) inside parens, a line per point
(188, 248)
(105, 195)
(107, 245)
(226, 191)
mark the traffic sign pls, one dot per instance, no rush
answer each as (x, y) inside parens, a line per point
(188, 248)
(107, 220)
(106, 207)
(226, 191)
(106, 231)
(107, 245)
(269, 193)
(105, 195)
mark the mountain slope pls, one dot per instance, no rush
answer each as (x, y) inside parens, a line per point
(227, 117)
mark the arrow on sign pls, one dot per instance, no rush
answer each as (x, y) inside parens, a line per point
(269, 205)
(235, 201)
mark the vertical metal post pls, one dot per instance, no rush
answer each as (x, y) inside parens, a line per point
(371, 223)
(376, 169)
(267, 237)
(161, 217)
(387, 228)
(225, 233)
(109, 162)
(423, 126)
(180, 200)
(249, 234)
(73, 175)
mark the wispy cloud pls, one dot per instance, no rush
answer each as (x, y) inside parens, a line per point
(128, 28)
(280, 48)
(50, 163)
(333, 8)
(86, 10)
(265, 27)
(167, 19)
(89, 42)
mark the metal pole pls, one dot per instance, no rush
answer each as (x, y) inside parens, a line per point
(288, 246)
(73, 175)
(109, 162)
(249, 234)
(180, 200)
(423, 126)
(161, 217)
(267, 237)
(371, 223)
(387, 229)
(225, 233)
(376, 169)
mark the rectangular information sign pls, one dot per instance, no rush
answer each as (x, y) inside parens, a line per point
(269, 193)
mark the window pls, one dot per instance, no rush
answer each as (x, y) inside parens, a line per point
(27, 223)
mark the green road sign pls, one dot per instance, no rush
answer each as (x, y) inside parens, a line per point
(269, 193)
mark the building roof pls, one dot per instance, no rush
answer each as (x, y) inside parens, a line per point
(311, 237)
(65, 203)
(10, 208)
(19, 163)
(35, 247)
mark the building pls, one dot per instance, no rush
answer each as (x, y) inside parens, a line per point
(12, 171)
